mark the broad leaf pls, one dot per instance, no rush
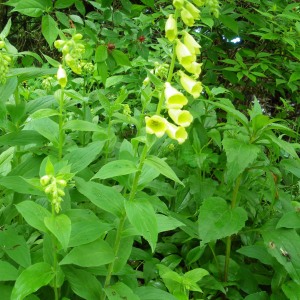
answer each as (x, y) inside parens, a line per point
(116, 168)
(152, 293)
(22, 138)
(81, 125)
(60, 227)
(91, 289)
(32, 8)
(49, 29)
(240, 155)
(94, 254)
(217, 220)
(105, 197)
(34, 214)
(32, 279)
(7, 271)
(142, 216)
(120, 291)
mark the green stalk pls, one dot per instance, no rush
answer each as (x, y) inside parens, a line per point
(60, 124)
(122, 221)
(228, 240)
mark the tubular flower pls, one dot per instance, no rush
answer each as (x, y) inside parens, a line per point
(171, 28)
(181, 117)
(194, 68)
(178, 3)
(193, 10)
(174, 99)
(183, 54)
(190, 43)
(156, 125)
(62, 76)
(187, 17)
(177, 133)
(192, 86)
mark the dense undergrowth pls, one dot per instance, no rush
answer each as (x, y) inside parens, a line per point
(149, 150)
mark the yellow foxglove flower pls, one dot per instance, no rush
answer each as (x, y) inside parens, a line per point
(193, 10)
(181, 117)
(194, 68)
(183, 54)
(62, 76)
(187, 17)
(177, 133)
(171, 28)
(174, 99)
(178, 3)
(190, 43)
(192, 86)
(156, 125)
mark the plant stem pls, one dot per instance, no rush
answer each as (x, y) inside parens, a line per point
(228, 240)
(60, 124)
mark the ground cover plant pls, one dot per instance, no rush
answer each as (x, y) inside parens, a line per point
(149, 150)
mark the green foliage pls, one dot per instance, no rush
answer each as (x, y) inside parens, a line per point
(97, 202)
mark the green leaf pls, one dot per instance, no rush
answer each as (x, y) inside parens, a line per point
(142, 216)
(240, 155)
(295, 76)
(167, 223)
(49, 29)
(230, 23)
(34, 214)
(258, 252)
(91, 289)
(6, 158)
(85, 231)
(20, 185)
(15, 247)
(291, 289)
(59, 4)
(4, 33)
(286, 146)
(152, 293)
(81, 125)
(32, 8)
(258, 296)
(44, 113)
(284, 241)
(7, 271)
(120, 291)
(101, 54)
(162, 167)
(30, 73)
(291, 165)
(217, 220)
(60, 227)
(105, 197)
(32, 279)
(195, 275)
(95, 254)
(290, 219)
(116, 168)
(47, 128)
(7, 89)
(120, 58)
(54, 63)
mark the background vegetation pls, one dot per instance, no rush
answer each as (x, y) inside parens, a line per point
(95, 207)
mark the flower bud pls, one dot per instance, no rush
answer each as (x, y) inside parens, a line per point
(192, 86)
(183, 54)
(44, 180)
(178, 3)
(61, 182)
(156, 125)
(2, 44)
(193, 10)
(77, 36)
(49, 189)
(190, 43)
(59, 44)
(174, 99)
(187, 17)
(176, 133)
(181, 117)
(65, 49)
(62, 76)
(171, 28)
(199, 2)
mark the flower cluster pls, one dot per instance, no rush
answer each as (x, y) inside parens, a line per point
(72, 50)
(54, 188)
(5, 61)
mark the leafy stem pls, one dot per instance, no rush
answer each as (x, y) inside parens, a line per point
(60, 124)
(228, 240)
